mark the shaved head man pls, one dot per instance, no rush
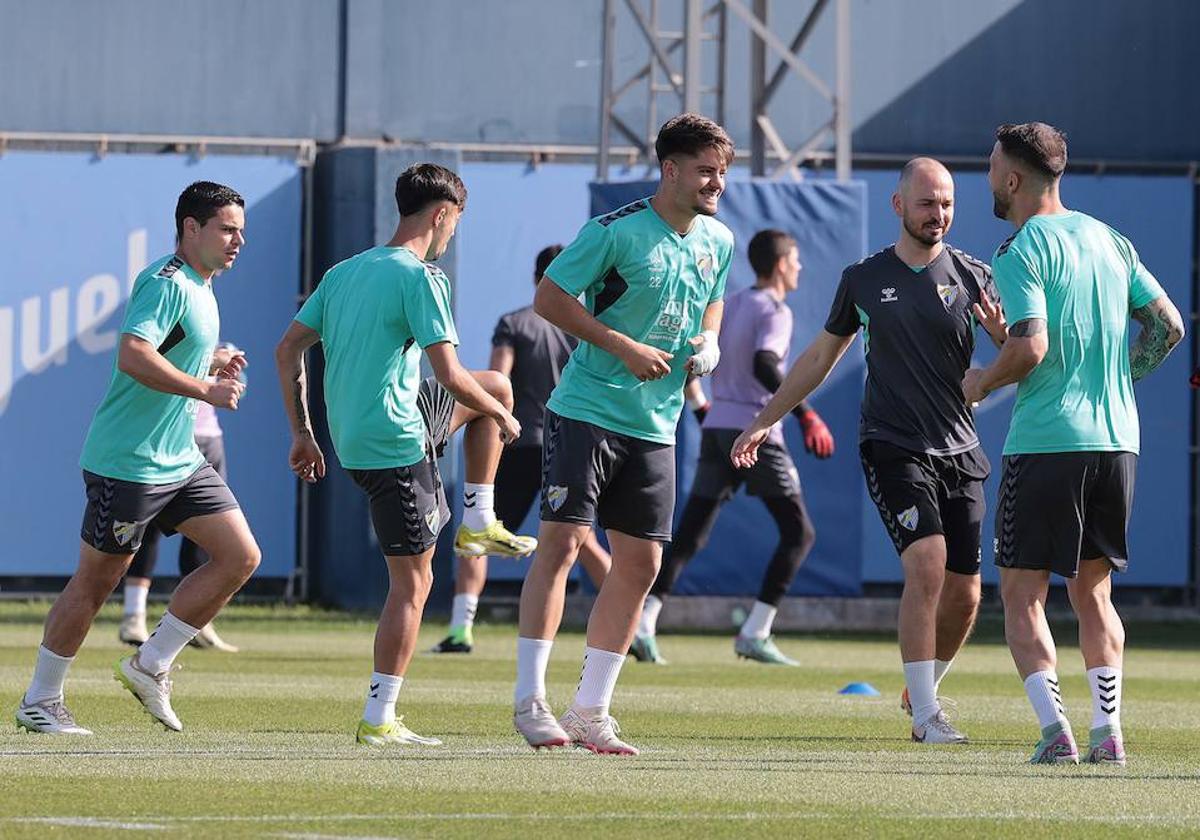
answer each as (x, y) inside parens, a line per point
(918, 303)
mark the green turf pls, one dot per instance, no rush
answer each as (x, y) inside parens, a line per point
(729, 748)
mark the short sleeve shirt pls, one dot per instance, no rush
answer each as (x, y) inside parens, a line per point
(1084, 279)
(540, 351)
(644, 279)
(140, 434)
(754, 320)
(919, 334)
(375, 312)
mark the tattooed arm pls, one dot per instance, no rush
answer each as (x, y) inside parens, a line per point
(1023, 351)
(1162, 329)
(305, 458)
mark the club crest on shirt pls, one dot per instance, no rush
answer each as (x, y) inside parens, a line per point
(556, 496)
(123, 531)
(431, 520)
(948, 294)
(909, 518)
(704, 265)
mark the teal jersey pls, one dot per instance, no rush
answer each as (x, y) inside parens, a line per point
(143, 435)
(374, 313)
(640, 277)
(1084, 279)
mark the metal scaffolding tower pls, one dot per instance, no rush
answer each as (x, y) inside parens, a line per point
(664, 74)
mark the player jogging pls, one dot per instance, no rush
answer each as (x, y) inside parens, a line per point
(531, 352)
(141, 464)
(373, 314)
(756, 337)
(653, 275)
(918, 303)
(1069, 285)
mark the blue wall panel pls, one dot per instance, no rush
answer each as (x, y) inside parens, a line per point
(76, 231)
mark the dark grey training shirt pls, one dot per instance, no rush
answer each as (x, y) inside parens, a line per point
(919, 333)
(540, 350)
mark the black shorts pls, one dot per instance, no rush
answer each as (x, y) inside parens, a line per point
(118, 512)
(589, 473)
(408, 506)
(919, 495)
(518, 482)
(1058, 508)
(772, 476)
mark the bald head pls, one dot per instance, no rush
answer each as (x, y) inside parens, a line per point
(924, 201)
(924, 171)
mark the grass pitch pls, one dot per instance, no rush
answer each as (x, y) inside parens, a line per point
(730, 749)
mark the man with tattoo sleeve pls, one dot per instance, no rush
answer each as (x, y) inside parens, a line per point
(1068, 284)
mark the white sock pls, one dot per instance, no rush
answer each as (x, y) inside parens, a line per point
(1106, 696)
(169, 638)
(381, 698)
(49, 674)
(758, 624)
(478, 500)
(940, 667)
(533, 655)
(648, 623)
(922, 696)
(600, 671)
(1046, 697)
(462, 612)
(135, 599)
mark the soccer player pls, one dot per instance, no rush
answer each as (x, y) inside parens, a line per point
(211, 443)
(918, 303)
(374, 313)
(653, 275)
(1069, 285)
(531, 352)
(140, 463)
(755, 340)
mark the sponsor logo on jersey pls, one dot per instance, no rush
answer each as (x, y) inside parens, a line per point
(889, 295)
(909, 518)
(556, 496)
(948, 294)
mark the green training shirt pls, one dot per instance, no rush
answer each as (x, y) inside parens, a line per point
(640, 277)
(375, 312)
(1084, 279)
(140, 434)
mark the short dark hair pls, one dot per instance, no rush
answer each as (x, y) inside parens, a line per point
(544, 258)
(201, 201)
(424, 183)
(1038, 145)
(690, 134)
(766, 249)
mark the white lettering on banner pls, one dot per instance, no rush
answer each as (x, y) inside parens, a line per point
(45, 341)
(33, 358)
(99, 296)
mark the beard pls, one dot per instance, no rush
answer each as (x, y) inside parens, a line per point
(1000, 206)
(923, 236)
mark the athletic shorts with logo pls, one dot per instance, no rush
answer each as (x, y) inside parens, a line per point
(1057, 508)
(118, 512)
(591, 473)
(772, 475)
(408, 504)
(919, 495)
